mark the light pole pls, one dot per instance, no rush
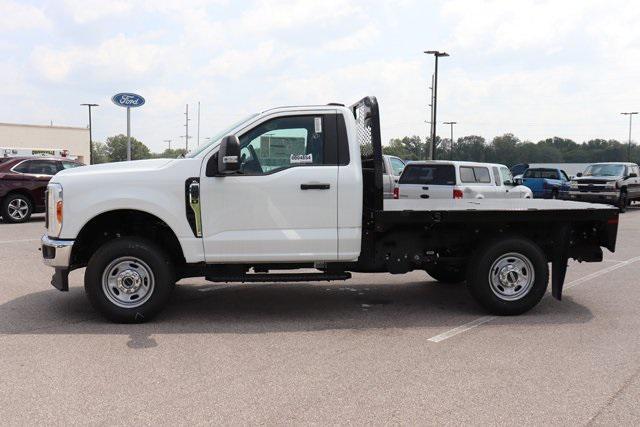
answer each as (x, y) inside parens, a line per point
(90, 135)
(436, 55)
(169, 142)
(630, 114)
(451, 147)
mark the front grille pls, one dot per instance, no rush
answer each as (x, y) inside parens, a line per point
(591, 189)
(593, 181)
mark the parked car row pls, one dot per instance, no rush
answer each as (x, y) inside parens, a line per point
(616, 184)
(23, 181)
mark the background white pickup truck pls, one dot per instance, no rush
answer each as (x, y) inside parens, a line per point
(445, 179)
(293, 188)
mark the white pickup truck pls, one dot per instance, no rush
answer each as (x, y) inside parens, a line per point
(297, 188)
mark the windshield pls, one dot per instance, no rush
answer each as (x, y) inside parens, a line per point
(541, 173)
(218, 136)
(604, 170)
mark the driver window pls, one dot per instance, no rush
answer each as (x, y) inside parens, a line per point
(506, 176)
(282, 143)
(397, 165)
(496, 176)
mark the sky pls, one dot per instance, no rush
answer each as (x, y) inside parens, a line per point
(534, 68)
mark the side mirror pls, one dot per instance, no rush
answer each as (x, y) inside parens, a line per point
(516, 181)
(579, 174)
(229, 155)
(633, 175)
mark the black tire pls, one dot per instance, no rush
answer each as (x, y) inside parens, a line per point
(480, 268)
(446, 274)
(152, 259)
(8, 208)
(623, 201)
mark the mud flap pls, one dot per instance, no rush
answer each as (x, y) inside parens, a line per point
(559, 262)
(60, 279)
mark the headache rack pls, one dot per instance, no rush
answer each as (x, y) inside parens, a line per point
(367, 118)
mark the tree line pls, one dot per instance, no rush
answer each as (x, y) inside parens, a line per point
(510, 150)
(114, 149)
(506, 149)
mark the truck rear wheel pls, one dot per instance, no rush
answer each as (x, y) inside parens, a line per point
(508, 276)
(129, 280)
(446, 274)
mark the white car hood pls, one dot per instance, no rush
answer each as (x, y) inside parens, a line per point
(598, 177)
(118, 167)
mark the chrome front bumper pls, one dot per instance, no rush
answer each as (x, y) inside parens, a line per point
(594, 196)
(56, 253)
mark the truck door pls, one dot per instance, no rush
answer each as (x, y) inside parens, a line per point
(634, 183)
(501, 191)
(387, 179)
(282, 205)
(477, 182)
(393, 167)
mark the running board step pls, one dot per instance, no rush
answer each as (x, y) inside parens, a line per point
(300, 277)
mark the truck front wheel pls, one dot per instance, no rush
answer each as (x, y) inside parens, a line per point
(623, 201)
(129, 279)
(508, 276)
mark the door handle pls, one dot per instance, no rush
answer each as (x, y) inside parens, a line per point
(315, 186)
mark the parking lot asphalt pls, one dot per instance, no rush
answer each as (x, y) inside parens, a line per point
(376, 349)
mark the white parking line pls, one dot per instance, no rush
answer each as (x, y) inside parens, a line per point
(460, 329)
(600, 272)
(482, 320)
(214, 288)
(6, 242)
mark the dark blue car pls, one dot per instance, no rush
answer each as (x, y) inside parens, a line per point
(546, 183)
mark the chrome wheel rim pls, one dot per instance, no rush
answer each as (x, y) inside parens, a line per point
(128, 282)
(511, 276)
(18, 209)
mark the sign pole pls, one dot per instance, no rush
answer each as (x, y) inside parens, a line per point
(128, 133)
(128, 101)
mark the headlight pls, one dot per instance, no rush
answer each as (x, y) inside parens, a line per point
(55, 209)
(610, 184)
(573, 185)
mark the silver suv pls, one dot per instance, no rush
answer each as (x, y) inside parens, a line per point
(616, 184)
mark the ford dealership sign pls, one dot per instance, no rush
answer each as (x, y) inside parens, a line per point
(127, 100)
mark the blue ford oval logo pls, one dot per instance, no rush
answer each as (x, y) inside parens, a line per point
(127, 100)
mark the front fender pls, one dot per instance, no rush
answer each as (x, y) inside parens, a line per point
(159, 192)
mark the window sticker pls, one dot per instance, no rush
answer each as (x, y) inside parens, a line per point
(317, 122)
(229, 159)
(301, 158)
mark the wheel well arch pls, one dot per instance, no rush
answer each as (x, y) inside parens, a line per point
(124, 222)
(22, 191)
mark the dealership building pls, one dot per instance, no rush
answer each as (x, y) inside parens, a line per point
(67, 141)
